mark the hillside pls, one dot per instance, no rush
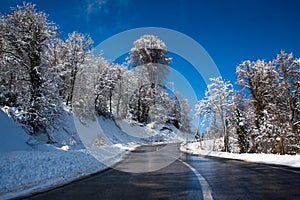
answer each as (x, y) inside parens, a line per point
(13, 137)
(28, 164)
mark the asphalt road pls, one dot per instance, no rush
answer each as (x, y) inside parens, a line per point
(189, 177)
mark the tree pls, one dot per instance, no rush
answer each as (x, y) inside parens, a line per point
(149, 58)
(289, 75)
(183, 116)
(106, 82)
(259, 79)
(150, 54)
(240, 123)
(271, 90)
(123, 92)
(215, 107)
(26, 35)
(74, 53)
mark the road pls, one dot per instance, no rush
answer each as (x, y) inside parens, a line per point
(189, 177)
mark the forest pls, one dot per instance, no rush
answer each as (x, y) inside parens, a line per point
(42, 74)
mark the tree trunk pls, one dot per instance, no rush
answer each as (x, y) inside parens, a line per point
(72, 84)
(110, 101)
(35, 81)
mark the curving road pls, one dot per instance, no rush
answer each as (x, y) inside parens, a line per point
(189, 177)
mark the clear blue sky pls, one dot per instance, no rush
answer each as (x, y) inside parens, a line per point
(230, 30)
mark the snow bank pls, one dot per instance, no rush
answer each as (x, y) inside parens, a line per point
(287, 160)
(29, 165)
(24, 172)
(13, 137)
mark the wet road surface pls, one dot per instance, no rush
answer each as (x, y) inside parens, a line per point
(189, 177)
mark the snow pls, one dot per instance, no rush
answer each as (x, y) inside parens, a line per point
(29, 165)
(11, 132)
(275, 159)
(135, 131)
(24, 172)
(297, 61)
(153, 132)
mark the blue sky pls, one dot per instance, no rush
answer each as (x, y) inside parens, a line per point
(229, 30)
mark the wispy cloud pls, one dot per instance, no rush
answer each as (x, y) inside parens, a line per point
(94, 6)
(102, 18)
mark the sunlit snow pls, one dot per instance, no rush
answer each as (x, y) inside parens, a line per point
(288, 160)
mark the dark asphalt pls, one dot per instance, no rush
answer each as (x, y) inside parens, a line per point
(227, 179)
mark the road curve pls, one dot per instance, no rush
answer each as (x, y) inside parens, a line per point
(189, 177)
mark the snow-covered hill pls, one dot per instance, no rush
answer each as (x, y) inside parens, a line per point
(28, 164)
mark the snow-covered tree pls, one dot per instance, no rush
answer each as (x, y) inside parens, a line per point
(109, 76)
(215, 107)
(150, 55)
(183, 116)
(74, 52)
(123, 91)
(141, 101)
(149, 60)
(258, 80)
(288, 102)
(271, 93)
(26, 35)
(239, 123)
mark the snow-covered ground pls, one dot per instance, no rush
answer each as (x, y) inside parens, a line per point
(287, 160)
(29, 165)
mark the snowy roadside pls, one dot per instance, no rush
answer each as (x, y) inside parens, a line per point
(29, 165)
(286, 160)
(27, 172)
